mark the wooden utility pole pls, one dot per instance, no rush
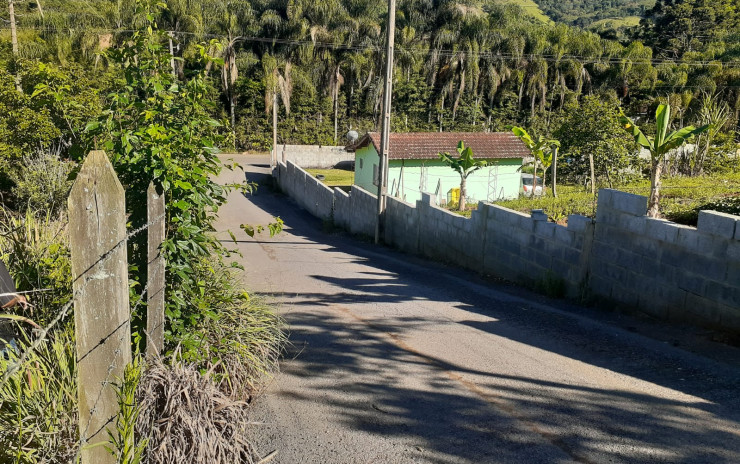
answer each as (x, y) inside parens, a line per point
(273, 156)
(386, 121)
(14, 42)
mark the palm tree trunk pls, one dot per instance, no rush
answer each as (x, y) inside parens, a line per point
(336, 114)
(654, 201)
(521, 95)
(593, 174)
(14, 42)
(555, 173)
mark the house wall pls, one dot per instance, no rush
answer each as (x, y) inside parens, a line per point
(622, 258)
(407, 179)
(365, 159)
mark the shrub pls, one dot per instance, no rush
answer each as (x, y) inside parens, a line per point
(38, 404)
(185, 418)
(42, 182)
(36, 253)
(239, 339)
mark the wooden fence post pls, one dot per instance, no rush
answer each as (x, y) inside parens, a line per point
(97, 221)
(156, 270)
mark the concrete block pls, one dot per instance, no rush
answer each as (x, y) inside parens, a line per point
(578, 223)
(570, 255)
(629, 203)
(538, 215)
(716, 223)
(729, 317)
(544, 229)
(564, 236)
(625, 295)
(710, 268)
(660, 229)
(600, 286)
(692, 283)
(604, 252)
(634, 224)
(694, 242)
(696, 309)
(733, 251)
(629, 260)
(427, 199)
(725, 294)
(733, 273)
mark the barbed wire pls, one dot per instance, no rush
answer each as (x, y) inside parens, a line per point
(41, 334)
(107, 381)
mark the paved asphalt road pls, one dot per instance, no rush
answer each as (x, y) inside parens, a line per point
(399, 360)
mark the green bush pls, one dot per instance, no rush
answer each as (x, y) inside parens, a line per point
(239, 339)
(42, 182)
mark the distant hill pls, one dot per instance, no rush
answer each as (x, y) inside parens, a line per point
(584, 13)
(530, 7)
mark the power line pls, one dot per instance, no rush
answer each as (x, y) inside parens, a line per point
(552, 58)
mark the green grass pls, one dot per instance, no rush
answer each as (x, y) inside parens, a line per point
(531, 8)
(616, 23)
(681, 198)
(334, 177)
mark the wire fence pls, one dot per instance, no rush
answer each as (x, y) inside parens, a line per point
(100, 298)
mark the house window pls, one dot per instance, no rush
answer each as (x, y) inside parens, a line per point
(375, 174)
(361, 163)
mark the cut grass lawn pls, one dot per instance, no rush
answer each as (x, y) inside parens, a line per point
(334, 177)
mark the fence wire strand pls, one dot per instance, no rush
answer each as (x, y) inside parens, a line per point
(43, 333)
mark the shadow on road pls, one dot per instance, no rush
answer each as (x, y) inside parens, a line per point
(603, 425)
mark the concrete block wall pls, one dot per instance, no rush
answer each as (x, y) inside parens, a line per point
(363, 212)
(621, 258)
(527, 248)
(666, 269)
(314, 156)
(402, 225)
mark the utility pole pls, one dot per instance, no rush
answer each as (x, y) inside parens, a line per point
(14, 41)
(273, 155)
(386, 122)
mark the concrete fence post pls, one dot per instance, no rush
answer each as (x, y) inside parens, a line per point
(97, 221)
(155, 272)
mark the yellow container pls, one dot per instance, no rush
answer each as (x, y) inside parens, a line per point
(453, 196)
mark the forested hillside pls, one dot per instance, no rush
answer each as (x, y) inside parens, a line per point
(586, 12)
(460, 64)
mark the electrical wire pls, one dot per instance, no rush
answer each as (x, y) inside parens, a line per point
(423, 52)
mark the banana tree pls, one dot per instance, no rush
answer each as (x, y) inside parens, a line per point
(465, 164)
(543, 150)
(659, 146)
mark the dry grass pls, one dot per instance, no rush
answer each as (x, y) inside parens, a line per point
(186, 418)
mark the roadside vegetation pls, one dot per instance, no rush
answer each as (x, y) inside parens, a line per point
(221, 344)
(681, 200)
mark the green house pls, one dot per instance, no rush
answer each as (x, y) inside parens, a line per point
(414, 165)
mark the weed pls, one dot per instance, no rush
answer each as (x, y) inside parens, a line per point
(186, 418)
(239, 339)
(38, 404)
(551, 285)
